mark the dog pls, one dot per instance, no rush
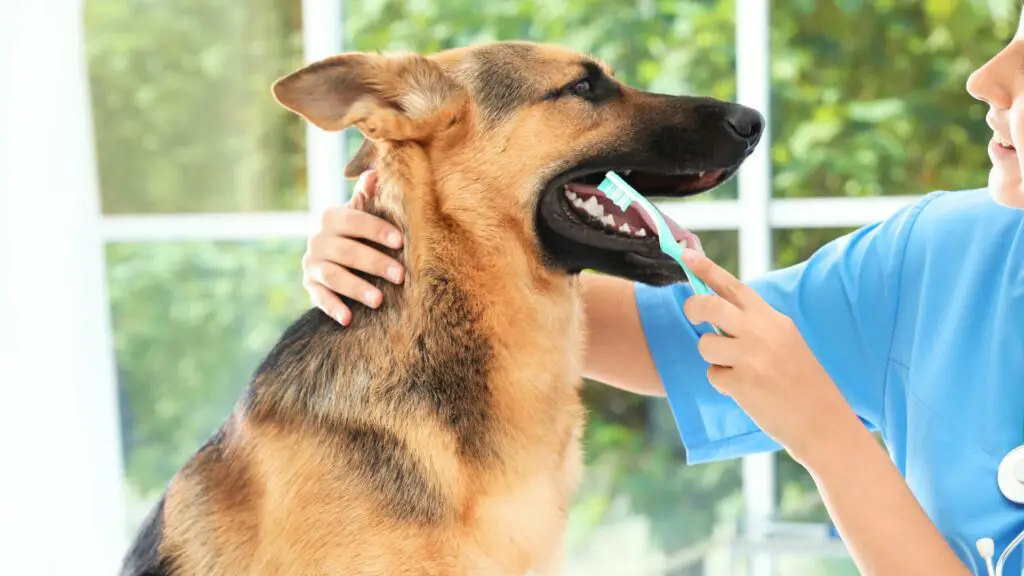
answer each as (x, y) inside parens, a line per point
(440, 434)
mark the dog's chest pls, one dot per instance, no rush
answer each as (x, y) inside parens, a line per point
(521, 523)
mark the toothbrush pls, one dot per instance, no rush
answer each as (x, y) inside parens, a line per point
(623, 195)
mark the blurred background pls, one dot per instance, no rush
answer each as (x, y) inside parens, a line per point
(206, 190)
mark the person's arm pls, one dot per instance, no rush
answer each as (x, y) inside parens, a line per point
(617, 352)
(843, 300)
(882, 524)
(796, 403)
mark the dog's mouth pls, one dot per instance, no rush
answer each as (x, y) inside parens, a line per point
(590, 217)
(581, 228)
(589, 206)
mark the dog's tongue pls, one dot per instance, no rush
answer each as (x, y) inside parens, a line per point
(635, 215)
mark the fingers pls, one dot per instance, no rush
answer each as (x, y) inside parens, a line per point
(718, 350)
(343, 282)
(330, 303)
(719, 279)
(353, 223)
(355, 255)
(723, 378)
(366, 187)
(335, 253)
(714, 310)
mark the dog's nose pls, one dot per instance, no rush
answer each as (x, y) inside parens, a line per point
(745, 122)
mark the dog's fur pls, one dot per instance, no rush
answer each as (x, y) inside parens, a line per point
(441, 433)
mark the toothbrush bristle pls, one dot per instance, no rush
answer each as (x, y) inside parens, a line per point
(615, 194)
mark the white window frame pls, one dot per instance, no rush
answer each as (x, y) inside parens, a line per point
(754, 215)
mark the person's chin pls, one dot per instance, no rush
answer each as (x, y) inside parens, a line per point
(1006, 189)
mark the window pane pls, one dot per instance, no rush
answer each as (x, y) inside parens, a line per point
(671, 47)
(183, 114)
(793, 246)
(882, 111)
(191, 322)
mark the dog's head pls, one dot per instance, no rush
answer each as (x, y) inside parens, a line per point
(527, 131)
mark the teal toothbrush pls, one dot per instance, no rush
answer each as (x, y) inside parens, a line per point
(623, 195)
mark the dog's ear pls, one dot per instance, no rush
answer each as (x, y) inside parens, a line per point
(363, 160)
(387, 97)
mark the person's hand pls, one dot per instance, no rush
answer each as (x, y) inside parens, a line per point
(333, 252)
(763, 363)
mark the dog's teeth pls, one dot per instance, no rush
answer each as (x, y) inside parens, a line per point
(577, 202)
(608, 221)
(624, 228)
(593, 207)
(641, 233)
(626, 172)
(700, 174)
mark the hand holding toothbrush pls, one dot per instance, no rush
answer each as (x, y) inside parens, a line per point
(764, 364)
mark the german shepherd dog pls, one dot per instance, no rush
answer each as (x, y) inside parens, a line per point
(440, 434)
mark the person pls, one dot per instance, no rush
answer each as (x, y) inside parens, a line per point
(913, 326)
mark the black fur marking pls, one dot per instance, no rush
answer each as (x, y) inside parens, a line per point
(291, 359)
(283, 378)
(602, 88)
(450, 372)
(144, 558)
(444, 373)
(392, 472)
(500, 82)
(294, 338)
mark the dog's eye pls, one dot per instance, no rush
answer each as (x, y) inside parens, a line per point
(583, 88)
(592, 86)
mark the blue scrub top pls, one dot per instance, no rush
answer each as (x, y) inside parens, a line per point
(920, 322)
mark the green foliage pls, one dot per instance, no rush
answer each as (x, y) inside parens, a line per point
(191, 321)
(867, 99)
(181, 102)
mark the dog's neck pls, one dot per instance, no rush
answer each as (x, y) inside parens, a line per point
(488, 246)
(476, 308)
(460, 220)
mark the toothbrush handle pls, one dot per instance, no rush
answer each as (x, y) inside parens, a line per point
(699, 287)
(624, 194)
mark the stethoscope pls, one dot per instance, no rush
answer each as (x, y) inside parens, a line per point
(1010, 477)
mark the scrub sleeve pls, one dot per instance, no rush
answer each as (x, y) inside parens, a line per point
(843, 299)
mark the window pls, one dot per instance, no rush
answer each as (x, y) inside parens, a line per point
(882, 111)
(199, 168)
(186, 84)
(208, 187)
